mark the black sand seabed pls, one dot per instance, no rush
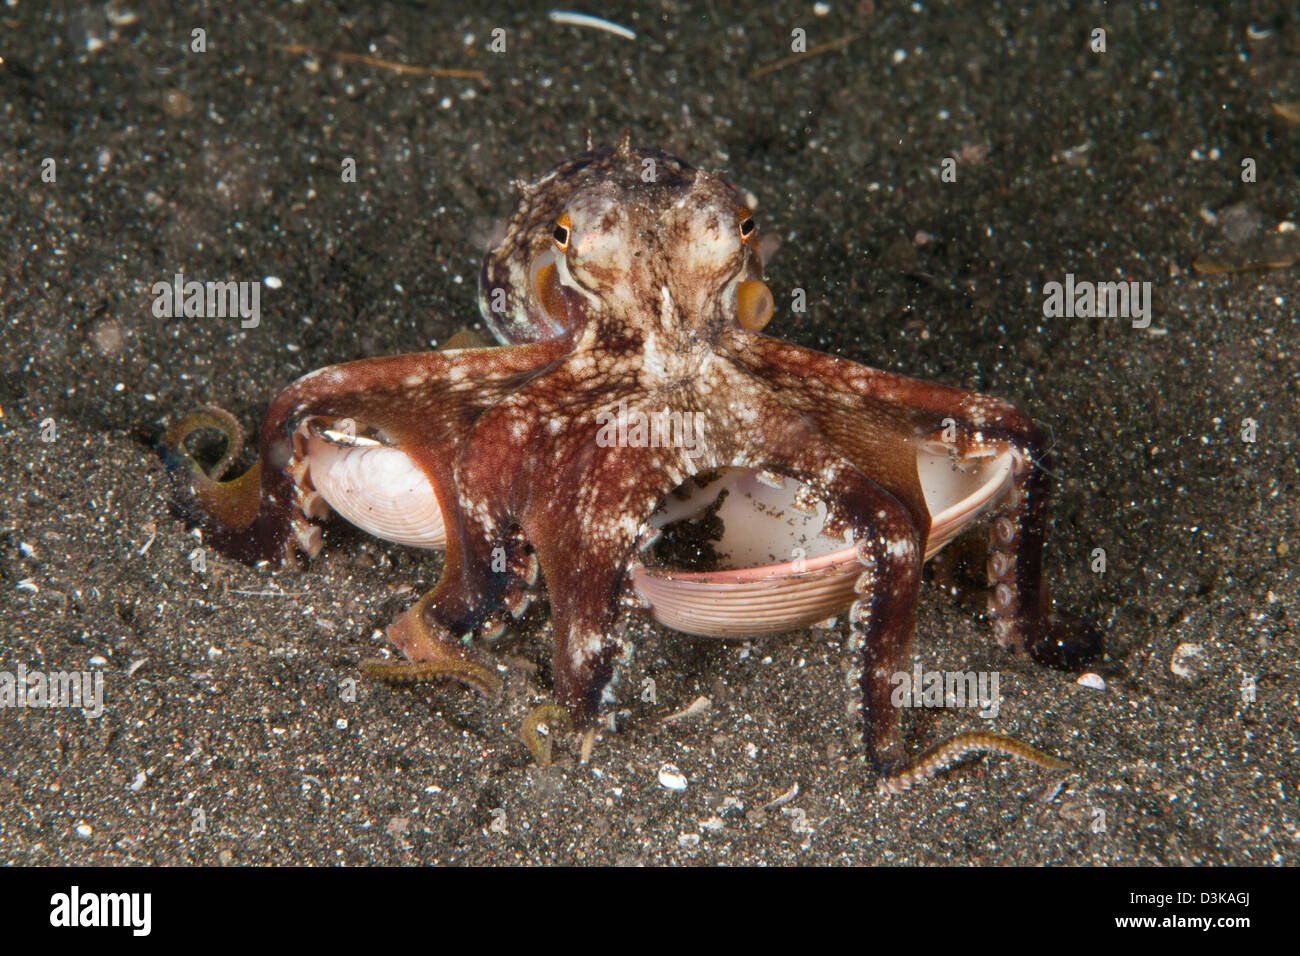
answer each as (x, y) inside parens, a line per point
(225, 165)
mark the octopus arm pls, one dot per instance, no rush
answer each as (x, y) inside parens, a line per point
(425, 403)
(888, 536)
(878, 420)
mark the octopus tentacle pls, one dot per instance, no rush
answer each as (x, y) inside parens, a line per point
(586, 644)
(889, 539)
(1024, 616)
(584, 558)
(839, 395)
(232, 503)
(485, 582)
(558, 721)
(436, 633)
(881, 621)
(426, 401)
(946, 752)
(431, 653)
(207, 417)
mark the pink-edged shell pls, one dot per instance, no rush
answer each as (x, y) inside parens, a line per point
(379, 489)
(758, 599)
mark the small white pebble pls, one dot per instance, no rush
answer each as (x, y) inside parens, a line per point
(138, 783)
(1095, 681)
(98, 661)
(899, 56)
(341, 723)
(1188, 661)
(821, 9)
(688, 839)
(671, 778)
(272, 282)
(83, 829)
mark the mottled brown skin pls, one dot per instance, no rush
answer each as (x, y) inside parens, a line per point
(641, 308)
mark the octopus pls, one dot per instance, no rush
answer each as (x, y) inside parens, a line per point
(632, 417)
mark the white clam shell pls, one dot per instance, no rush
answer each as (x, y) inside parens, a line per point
(379, 489)
(768, 587)
(768, 592)
(670, 778)
(1095, 681)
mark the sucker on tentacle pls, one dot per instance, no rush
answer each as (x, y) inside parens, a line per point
(409, 672)
(1022, 612)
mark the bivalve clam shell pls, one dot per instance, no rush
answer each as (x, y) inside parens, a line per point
(377, 488)
(782, 573)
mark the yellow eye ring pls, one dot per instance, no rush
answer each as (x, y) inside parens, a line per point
(747, 227)
(563, 231)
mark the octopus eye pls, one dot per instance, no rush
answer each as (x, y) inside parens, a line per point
(563, 229)
(747, 228)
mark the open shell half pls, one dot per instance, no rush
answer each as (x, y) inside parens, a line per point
(765, 586)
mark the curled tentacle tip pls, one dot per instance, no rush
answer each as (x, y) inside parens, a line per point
(226, 510)
(557, 720)
(207, 418)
